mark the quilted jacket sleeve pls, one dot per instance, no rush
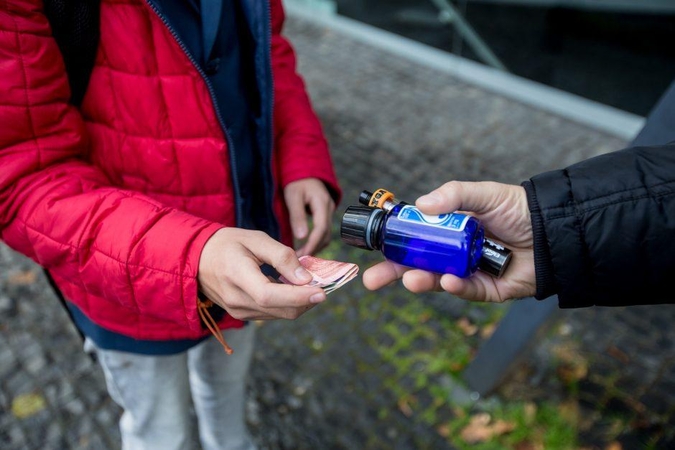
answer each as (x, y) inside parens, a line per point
(605, 229)
(301, 146)
(61, 211)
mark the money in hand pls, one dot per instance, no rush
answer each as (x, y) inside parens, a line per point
(327, 274)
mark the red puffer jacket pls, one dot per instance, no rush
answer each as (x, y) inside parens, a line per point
(118, 198)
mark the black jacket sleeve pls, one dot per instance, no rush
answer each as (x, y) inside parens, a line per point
(604, 229)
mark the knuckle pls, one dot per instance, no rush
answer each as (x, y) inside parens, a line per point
(293, 314)
(264, 300)
(286, 256)
(238, 314)
(452, 185)
(258, 235)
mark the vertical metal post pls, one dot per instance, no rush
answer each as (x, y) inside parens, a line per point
(508, 343)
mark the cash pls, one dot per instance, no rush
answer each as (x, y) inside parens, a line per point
(327, 274)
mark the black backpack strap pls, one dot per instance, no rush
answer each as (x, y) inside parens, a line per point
(76, 28)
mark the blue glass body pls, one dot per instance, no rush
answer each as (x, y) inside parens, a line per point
(450, 243)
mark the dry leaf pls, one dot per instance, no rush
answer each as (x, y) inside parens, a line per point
(614, 446)
(458, 412)
(488, 330)
(23, 278)
(443, 430)
(527, 445)
(569, 410)
(457, 366)
(572, 372)
(404, 407)
(618, 354)
(530, 412)
(467, 327)
(502, 427)
(26, 405)
(482, 429)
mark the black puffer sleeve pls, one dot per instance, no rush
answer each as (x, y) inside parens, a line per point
(606, 229)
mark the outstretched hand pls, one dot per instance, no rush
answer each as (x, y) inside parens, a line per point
(503, 210)
(230, 276)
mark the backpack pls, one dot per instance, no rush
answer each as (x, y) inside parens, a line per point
(76, 28)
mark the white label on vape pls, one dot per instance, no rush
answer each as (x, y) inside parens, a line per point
(454, 221)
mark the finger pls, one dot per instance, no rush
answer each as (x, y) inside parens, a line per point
(241, 306)
(456, 195)
(382, 274)
(261, 313)
(320, 234)
(297, 215)
(314, 240)
(418, 281)
(283, 313)
(286, 296)
(250, 279)
(281, 257)
(457, 286)
(472, 288)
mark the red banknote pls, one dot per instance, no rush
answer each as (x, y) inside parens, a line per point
(329, 275)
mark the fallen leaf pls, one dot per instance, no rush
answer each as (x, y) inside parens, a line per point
(22, 278)
(475, 434)
(457, 366)
(424, 317)
(404, 407)
(618, 354)
(443, 430)
(488, 330)
(26, 405)
(571, 372)
(569, 410)
(482, 429)
(467, 327)
(527, 445)
(530, 412)
(502, 427)
(459, 412)
(614, 446)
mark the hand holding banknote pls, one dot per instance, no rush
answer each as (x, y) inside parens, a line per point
(230, 276)
(237, 283)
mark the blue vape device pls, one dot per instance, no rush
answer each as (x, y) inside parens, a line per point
(449, 243)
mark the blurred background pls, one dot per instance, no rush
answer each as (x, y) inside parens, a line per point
(616, 52)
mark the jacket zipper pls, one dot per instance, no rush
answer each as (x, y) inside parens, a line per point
(274, 225)
(230, 144)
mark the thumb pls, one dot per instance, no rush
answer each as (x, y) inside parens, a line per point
(457, 196)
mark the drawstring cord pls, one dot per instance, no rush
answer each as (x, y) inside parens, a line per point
(203, 308)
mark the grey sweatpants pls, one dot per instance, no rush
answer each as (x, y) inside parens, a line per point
(157, 394)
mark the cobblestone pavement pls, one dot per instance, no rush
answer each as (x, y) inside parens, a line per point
(379, 370)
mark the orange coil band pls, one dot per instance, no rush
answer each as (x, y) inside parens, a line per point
(379, 198)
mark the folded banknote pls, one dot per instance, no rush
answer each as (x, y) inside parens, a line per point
(327, 274)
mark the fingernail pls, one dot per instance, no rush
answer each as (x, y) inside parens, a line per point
(317, 298)
(302, 274)
(429, 199)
